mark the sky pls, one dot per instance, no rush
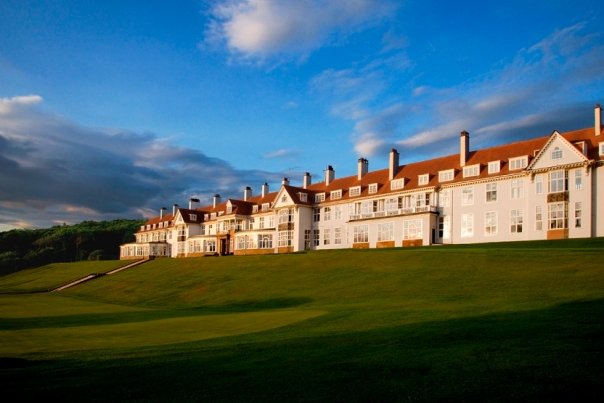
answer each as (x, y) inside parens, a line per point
(114, 109)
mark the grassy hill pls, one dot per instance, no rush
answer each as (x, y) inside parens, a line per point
(467, 323)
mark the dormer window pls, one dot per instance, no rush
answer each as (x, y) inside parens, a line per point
(193, 217)
(494, 167)
(373, 188)
(303, 197)
(472, 170)
(335, 194)
(423, 180)
(581, 146)
(446, 176)
(229, 209)
(265, 206)
(206, 217)
(255, 209)
(556, 153)
(354, 191)
(601, 146)
(518, 163)
(319, 197)
(397, 184)
(213, 216)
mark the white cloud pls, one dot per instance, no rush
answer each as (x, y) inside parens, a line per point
(259, 29)
(8, 105)
(54, 170)
(281, 153)
(545, 87)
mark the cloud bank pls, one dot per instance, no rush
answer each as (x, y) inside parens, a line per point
(550, 85)
(261, 29)
(53, 170)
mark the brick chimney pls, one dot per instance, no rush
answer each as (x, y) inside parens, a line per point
(216, 200)
(264, 189)
(393, 164)
(329, 175)
(247, 193)
(598, 120)
(362, 167)
(464, 148)
(306, 180)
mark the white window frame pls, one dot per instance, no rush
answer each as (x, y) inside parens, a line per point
(557, 215)
(467, 225)
(517, 163)
(413, 229)
(471, 170)
(490, 223)
(337, 236)
(354, 191)
(397, 184)
(423, 179)
(494, 167)
(578, 214)
(385, 232)
(538, 218)
(517, 188)
(516, 221)
(467, 196)
(601, 148)
(319, 197)
(303, 197)
(360, 233)
(373, 188)
(556, 154)
(578, 179)
(335, 194)
(446, 176)
(557, 181)
(491, 192)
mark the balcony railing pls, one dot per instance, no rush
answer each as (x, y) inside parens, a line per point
(391, 213)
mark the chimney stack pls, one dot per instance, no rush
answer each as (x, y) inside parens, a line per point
(306, 180)
(193, 203)
(329, 175)
(264, 189)
(247, 193)
(161, 212)
(285, 182)
(598, 119)
(393, 164)
(362, 168)
(464, 148)
(174, 208)
(216, 200)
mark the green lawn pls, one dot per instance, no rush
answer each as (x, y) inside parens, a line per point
(504, 322)
(53, 275)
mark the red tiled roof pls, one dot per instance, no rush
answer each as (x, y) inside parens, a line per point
(410, 173)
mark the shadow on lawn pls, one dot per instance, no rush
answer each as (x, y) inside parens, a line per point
(551, 354)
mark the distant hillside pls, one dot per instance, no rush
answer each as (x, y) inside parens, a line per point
(88, 240)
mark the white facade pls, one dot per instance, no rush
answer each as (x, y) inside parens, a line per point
(545, 188)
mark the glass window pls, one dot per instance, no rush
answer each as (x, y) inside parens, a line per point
(557, 181)
(491, 192)
(516, 221)
(360, 233)
(557, 215)
(578, 208)
(412, 229)
(467, 196)
(386, 231)
(517, 189)
(578, 179)
(490, 223)
(467, 225)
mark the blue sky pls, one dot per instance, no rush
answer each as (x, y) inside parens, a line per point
(117, 108)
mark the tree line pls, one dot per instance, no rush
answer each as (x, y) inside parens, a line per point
(88, 240)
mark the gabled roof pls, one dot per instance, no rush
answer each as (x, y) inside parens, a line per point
(410, 174)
